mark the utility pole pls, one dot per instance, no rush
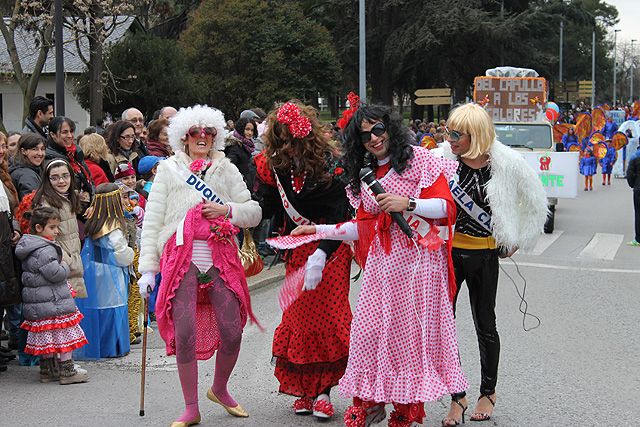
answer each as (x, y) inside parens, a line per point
(561, 44)
(633, 70)
(615, 65)
(593, 68)
(362, 87)
(59, 40)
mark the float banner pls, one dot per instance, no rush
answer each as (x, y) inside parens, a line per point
(558, 172)
(511, 99)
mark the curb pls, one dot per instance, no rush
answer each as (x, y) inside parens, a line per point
(266, 277)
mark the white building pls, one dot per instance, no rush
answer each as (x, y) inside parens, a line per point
(11, 99)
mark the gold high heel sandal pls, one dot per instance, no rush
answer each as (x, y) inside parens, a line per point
(186, 423)
(236, 411)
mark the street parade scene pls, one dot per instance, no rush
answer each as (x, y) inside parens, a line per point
(299, 213)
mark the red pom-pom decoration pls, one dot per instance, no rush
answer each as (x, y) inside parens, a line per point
(299, 125)
(355, 416)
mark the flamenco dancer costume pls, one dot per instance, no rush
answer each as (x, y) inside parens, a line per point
(311, 344)
(403, 347)
(202, 307)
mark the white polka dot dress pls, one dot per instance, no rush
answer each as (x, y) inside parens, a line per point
(403, 345)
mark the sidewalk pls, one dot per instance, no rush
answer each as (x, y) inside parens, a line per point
(266, 276)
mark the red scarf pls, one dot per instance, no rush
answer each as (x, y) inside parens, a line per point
(367, 227)
(72, 152)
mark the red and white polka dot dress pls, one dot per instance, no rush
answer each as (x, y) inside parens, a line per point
(403, 344)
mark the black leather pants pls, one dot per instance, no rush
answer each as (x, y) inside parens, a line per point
(479, 268)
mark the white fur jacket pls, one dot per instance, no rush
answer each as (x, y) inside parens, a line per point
(516, 196)
(170, 199)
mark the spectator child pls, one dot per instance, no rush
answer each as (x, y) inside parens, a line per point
(50, 313)
(106, 257)
(126, 177)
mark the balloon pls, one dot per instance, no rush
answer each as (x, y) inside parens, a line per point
(551, 114)
(553, 106)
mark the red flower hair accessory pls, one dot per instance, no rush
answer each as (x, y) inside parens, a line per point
(354, 103)
(299, 125)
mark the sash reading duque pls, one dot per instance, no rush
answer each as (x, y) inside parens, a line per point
(197, 185)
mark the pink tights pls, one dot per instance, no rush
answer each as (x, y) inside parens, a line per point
(227, 313)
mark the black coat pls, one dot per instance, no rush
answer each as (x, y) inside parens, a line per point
(9, 284)
(240, 157)
(26, 178)
(633, 171)
(322, 203)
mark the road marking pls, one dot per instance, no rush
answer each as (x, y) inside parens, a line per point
(544, 242)
(602, 246)
(567, 267)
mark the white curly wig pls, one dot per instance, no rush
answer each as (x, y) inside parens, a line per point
(198, 115)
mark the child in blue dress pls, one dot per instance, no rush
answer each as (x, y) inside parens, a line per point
(588, 166)
(107, 258)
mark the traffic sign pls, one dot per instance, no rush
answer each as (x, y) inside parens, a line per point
(437, 96)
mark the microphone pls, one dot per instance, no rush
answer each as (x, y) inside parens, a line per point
(368, 177)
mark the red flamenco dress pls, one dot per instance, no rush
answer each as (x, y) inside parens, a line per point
(311, 344)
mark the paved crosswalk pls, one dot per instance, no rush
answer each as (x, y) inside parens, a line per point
(601, 246)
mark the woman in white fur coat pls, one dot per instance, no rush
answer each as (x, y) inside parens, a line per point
(501, 207)
(203, 303)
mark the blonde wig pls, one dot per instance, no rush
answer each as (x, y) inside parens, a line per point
(198, 115)
(473, 120)
(106, 212)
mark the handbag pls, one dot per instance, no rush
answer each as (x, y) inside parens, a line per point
(249, 256)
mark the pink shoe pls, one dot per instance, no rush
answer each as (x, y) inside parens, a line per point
(323, 409)
(303, 406)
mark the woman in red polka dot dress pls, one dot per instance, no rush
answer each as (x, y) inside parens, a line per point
(403, 347)
(301, 182)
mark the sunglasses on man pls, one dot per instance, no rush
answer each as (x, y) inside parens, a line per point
(455, 136)
(378, 129)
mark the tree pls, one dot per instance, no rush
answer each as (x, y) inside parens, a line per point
(93, 21)
(36, 18)
(250, 53)
(146, 72)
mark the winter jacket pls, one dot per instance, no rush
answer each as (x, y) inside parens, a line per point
(26, 178)
(69, 241)
(31, 127)
(518, 212)
(44, 278)
(9, 283)
(172, 198)
(633, 171)
(239, 156)
(99, 177)
(138, 151)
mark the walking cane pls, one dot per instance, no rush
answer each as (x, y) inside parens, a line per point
(144, 351)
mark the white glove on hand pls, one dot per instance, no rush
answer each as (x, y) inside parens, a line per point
(313, 271)
(146, 283)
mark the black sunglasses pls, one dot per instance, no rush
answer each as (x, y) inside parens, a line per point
(378, 129)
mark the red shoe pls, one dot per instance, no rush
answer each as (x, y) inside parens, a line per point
(323, 409)
(303, 406)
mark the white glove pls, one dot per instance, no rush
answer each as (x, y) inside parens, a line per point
(313, 271)
(146, 283)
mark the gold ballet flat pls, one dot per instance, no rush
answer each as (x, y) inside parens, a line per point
(186, 423)
(236, 411)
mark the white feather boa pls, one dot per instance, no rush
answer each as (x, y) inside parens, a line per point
(516, 196)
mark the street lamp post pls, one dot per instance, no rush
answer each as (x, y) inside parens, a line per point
(633, 69)
(561, 37)
(615, 64)
(362, 87)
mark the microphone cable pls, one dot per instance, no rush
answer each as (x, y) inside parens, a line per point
(523, 301)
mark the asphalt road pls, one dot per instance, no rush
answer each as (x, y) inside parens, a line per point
(580, 367)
